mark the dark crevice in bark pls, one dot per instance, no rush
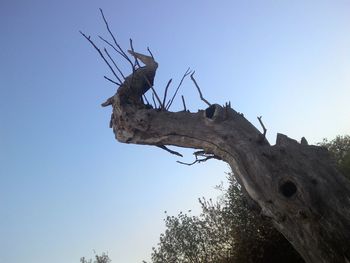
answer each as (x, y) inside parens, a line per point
(209, 112)
(288, 189)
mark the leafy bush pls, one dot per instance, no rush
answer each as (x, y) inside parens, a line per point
(103, 258)
(226, 231)
(340, 149)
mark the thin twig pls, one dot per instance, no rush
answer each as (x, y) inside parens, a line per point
(154, 101)
(149, 51)
(132, 49)
(112, 81)
(178, 87)
(115, 41)
(183, 102)
(115, 65)
(263, 126)
(199, 90)
(167, 105)
(207, 156)
(120, 72)
(170, 151)
(198, 160)
(99, 51)
(154, 91)
(144, 96)
(166, 92)
(115, 49)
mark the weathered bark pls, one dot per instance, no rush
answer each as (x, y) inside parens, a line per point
(296, 185)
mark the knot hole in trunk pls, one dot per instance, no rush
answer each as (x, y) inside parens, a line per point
(288, 189)
(214, 112)
(209, 112)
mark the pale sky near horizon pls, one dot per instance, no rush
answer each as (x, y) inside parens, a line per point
(67, 187)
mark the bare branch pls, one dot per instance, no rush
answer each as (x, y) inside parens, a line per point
(197, 160)
(99, 51)
(262, 125)
(144, 96)
(264, 129)
(199, 90)
(114, 39)
(132, 49)
(207, 156)
(154, 101)
(115, 49)
(154, 91)
(170, 151)
(189, 164)
(149, 51)
(167, 105)
(178, 87)
(166, 92)
(183, 102)
(113, 64)
(109, 56)
(112, 81)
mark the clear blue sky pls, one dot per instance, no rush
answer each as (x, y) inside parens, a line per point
(67, 187)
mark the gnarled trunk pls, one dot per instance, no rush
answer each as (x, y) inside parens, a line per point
(296, 185)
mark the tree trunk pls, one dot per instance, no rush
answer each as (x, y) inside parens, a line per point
(296, 185)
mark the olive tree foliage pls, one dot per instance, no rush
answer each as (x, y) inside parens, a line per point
(340, 149)
(103, 258)
(204, 238)
(226, 231)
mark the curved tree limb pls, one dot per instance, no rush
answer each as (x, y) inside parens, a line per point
(296, 185)
(199, 90)
(290, 182)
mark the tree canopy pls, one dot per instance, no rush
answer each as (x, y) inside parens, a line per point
(228, 230)
(339, 147)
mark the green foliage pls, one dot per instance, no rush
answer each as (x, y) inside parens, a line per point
(226, 231)
(204, 238)
(103, 258)
(340, 149)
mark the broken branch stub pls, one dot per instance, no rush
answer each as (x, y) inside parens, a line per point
(296, 185)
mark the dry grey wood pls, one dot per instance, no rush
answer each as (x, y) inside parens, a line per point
(296, 185)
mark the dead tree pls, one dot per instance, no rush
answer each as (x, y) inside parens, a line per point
(295, 184)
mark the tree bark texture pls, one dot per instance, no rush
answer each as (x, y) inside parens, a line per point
(295, 184)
